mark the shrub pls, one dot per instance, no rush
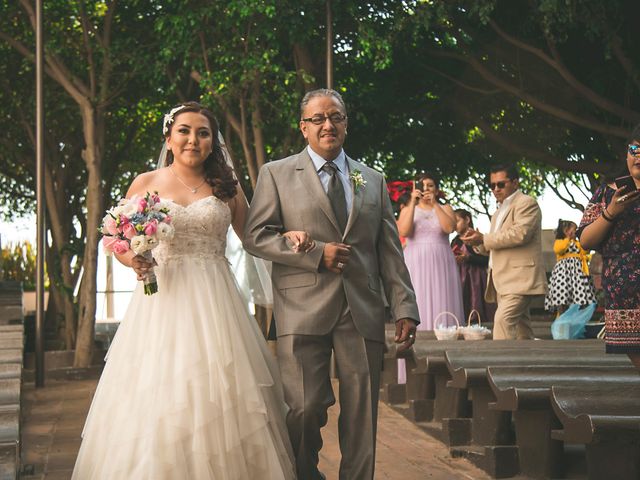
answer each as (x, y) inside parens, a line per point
(19, 264)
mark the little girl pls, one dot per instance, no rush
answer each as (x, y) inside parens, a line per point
(473, 270)
(570, 281)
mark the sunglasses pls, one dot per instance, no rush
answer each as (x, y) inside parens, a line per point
(634, 150)
(500, 185)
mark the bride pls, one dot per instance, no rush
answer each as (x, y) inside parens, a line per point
(189, 389)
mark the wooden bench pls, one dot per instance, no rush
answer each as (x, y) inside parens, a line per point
(491, 442)
(526, 392)
(606, 419)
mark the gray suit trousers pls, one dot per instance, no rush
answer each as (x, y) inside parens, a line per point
(304, 365)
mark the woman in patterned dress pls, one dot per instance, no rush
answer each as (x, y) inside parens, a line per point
(611, 225)
(570, 281)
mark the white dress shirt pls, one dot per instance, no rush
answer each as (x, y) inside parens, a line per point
(500, 214)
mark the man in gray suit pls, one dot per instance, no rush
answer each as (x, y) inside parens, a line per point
(328, 294)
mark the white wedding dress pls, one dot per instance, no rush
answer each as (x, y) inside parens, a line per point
(189, 389)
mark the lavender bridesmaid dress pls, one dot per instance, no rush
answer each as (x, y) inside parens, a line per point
(434, 274)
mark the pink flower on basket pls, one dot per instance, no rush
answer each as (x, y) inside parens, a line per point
(151, 227)
(142, 205)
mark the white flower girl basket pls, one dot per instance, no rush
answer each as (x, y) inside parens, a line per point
(475, 332)
(443, 330)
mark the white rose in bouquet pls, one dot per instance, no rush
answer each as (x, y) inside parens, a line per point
(139, 244)
(151, 241)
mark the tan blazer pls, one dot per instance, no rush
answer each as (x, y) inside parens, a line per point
(516, 251)
(309, 299)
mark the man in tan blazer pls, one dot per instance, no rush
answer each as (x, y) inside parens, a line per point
(516, 270)
(328, 293)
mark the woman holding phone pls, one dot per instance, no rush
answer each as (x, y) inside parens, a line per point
(426, 222)
(611, 225)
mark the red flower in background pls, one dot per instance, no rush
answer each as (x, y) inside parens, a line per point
(397, 187)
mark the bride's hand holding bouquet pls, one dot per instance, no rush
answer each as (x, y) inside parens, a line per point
(138, 224)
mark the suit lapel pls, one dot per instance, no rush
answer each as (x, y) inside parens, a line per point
(309, 177)
(510, 207)
(357, 197)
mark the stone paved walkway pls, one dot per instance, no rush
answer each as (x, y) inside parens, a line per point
(54, 416)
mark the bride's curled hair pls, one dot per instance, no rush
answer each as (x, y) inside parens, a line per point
(218, 174)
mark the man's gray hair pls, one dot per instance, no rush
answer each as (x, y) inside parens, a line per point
(321, 92)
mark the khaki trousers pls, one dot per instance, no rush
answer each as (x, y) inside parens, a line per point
(305, 362)
(513, 320)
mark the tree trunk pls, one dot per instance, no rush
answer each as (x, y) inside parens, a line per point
(86, 316)
(60, 226)
(256, 126)
(305, 67)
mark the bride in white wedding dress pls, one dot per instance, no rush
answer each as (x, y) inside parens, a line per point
(189, 389)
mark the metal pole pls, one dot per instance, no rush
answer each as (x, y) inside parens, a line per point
(329, 46)
(40, 199)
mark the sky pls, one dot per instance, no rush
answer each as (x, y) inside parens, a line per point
(124, 280)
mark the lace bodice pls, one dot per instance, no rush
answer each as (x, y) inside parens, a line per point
(200, 231)
(426, 228)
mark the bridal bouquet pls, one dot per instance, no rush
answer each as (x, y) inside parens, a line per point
(137, 224)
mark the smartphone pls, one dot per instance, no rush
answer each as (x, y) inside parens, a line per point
(418, 185)
(626, 181)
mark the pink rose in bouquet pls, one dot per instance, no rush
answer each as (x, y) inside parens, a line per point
(137, 224)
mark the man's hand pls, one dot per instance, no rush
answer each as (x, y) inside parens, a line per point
(336, 256)
(473, 237)
(405, 333)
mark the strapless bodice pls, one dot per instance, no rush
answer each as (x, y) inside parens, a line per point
(200, 231)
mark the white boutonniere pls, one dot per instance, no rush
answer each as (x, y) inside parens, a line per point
(357, 179)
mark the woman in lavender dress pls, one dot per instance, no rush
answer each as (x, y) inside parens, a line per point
(427, 223)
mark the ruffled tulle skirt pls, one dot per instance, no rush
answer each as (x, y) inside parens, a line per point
(189, 389)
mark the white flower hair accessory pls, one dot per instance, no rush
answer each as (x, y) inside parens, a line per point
(357, 179)
(168, 118)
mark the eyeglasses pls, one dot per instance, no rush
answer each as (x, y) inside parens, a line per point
(500, 184)
(335, 118)
(634, 150)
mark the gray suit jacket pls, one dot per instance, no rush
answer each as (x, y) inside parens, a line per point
(308, 299)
